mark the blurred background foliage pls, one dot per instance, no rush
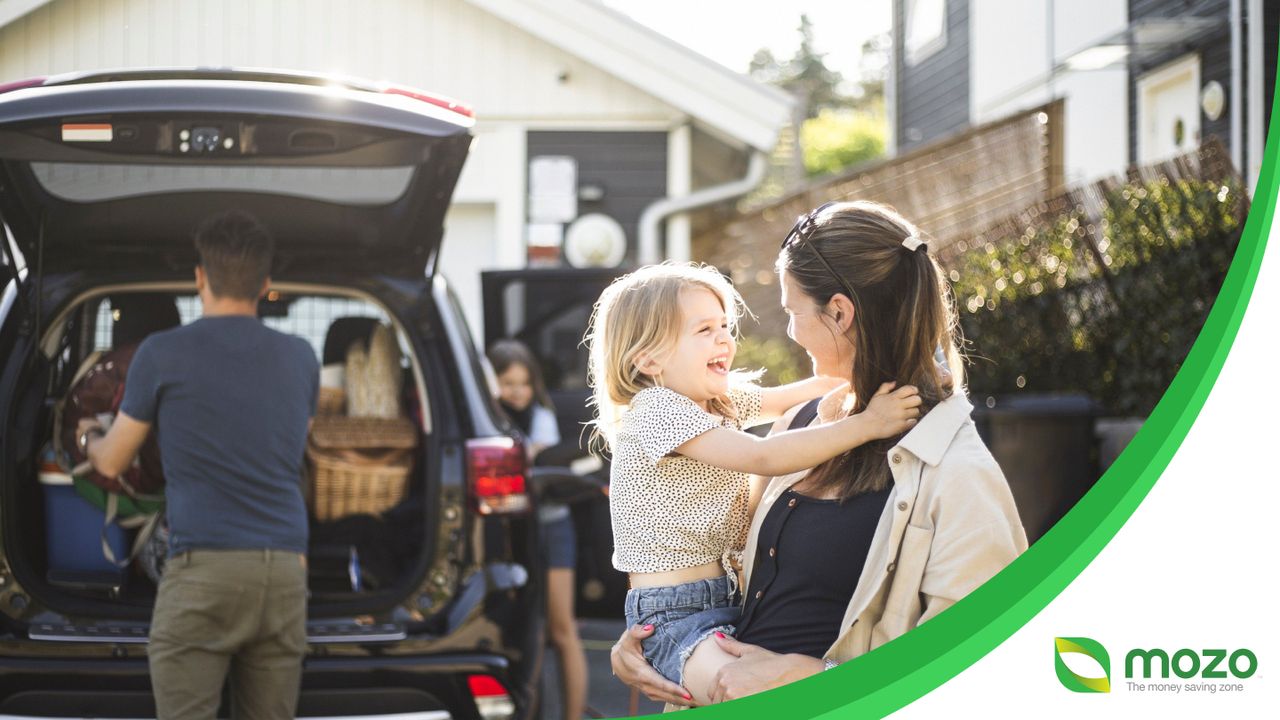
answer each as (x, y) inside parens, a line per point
(839, 139)
(780, 358)
(1106, 302)
(839, 123)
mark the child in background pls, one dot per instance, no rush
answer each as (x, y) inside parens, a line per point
(673, 414)
(523, 396)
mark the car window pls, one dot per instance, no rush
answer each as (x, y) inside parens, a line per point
(83, 182)
(308, 317)
(551, 319)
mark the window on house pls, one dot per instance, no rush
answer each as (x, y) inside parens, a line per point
(926, 28)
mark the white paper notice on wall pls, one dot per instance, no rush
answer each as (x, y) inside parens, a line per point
(546, 234)
(553, 189)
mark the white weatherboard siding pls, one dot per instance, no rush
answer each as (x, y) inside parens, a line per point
(1016, 44)
(522, 64)
(495, 174)
(446, 46)
(1096, 123)
(1008, 57)
(513, 79)
(1097, 101)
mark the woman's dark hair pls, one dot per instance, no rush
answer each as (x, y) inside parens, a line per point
(505, 353)
(903, 312)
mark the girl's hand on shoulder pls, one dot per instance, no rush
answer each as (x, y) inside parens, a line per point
(892, 412)
(629, 665)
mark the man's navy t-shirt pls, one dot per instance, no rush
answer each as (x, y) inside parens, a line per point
(230, 399)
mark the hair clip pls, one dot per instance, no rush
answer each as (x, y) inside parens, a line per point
(913, 242)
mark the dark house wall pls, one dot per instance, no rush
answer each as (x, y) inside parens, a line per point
(1215, 61)
(933, 95)
(631, 167)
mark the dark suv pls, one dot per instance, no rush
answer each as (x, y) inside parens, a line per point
(431, 609)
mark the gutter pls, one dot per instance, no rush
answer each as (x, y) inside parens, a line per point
(1255, 130)
(651, 219)
(1237, 87)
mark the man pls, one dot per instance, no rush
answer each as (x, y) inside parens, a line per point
(232, 402)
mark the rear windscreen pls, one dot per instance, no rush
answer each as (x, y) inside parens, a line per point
(84, 182)
(307, 316)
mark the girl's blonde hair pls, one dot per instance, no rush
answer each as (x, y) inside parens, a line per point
(639, 316)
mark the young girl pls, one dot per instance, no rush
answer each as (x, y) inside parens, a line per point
(672, 413)
(523, 396)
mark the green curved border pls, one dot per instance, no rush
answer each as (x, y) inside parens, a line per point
(903, 670)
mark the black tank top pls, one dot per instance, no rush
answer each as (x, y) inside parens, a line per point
(809, 555)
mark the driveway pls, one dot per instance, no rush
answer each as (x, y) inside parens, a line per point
(606, 697)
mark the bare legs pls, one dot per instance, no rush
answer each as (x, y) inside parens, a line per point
(701, 668)
(564, 635)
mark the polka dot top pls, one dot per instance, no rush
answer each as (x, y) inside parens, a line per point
(670, 511)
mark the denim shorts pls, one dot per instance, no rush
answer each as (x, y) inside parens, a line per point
(682, 616)
(560, 544)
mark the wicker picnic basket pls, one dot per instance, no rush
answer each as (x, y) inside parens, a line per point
(358, 465)
(331, 401)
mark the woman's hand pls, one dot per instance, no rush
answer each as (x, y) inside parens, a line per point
(629, 665)
(757, 670)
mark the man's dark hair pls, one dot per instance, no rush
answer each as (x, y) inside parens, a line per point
(235, 252)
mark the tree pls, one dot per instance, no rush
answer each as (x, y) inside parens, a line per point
(805, 75)
(838, 139)
(873, 68)
(841, 124)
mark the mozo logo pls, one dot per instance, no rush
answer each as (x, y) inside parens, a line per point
(1089, 648)
(1186, 663)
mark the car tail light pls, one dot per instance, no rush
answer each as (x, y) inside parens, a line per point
(496, 469)
(492, 699)
(20, 84)
(447, 103)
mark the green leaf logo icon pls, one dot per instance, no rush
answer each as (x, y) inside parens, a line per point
(1089, 648)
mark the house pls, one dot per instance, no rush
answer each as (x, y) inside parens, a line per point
(1141, 80)
(587, 122)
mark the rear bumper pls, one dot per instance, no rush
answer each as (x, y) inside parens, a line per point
(388, 688)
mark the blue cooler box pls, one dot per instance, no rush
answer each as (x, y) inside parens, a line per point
(73, 536)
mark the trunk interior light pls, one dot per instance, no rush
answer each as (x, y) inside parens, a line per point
(493, 702)
(203, 140)
(496, 468)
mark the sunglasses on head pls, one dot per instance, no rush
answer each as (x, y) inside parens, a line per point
(800, 232)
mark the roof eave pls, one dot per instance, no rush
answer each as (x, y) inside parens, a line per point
(11, 10)
(709, 92)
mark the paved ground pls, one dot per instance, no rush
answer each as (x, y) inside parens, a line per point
(606, 697)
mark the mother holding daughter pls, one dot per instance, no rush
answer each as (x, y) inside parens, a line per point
(905, 517)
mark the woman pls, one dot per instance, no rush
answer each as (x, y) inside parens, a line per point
(847, 556)
(523, 395)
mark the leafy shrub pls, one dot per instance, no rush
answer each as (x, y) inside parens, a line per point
(1108, 303)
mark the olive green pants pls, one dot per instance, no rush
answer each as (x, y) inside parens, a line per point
(237, 611)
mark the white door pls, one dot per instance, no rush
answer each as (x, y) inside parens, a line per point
(469, 246)
(1169, 110)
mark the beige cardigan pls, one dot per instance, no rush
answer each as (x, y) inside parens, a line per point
(949, 525)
